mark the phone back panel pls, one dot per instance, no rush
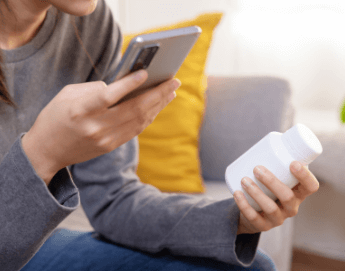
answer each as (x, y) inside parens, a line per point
(174, 46)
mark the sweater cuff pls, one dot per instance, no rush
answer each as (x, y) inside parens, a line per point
(61, 188)
(246, 247)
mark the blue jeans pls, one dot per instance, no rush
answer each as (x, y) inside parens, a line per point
(69, 250)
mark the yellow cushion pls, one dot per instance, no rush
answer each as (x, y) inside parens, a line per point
(168, 148)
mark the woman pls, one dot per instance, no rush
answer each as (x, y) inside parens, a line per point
(57, 88)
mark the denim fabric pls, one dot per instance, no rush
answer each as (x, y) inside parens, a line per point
(72, 250)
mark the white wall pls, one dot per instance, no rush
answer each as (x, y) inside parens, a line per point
(114, 5)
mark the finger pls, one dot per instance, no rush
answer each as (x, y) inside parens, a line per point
(254, 218)
(115, 91)
(134, 123)
(285, 195)
(90, 94)
(159, 94)
(169, 96)
(117, 135)
(268, 206)
(127, 130)
(146, 105)
(124, 133)
(308, 182)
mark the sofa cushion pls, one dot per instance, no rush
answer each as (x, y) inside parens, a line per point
(240, 111)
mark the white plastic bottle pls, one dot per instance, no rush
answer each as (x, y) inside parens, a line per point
(275, 151)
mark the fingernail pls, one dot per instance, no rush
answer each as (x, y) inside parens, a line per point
(176, 83)
(257, 172)
(296, 166)
(172, 96)
(245, 183)
(238, 196)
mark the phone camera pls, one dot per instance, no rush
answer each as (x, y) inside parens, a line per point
(145, 57)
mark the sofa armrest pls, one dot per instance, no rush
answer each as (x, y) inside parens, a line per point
(329, 166)
(239, 112)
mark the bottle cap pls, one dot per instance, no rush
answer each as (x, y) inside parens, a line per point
(302, 143)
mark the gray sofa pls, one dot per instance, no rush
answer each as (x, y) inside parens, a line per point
(239, 112)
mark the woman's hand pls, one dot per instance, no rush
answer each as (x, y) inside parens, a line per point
(273, 214)
(80, 123)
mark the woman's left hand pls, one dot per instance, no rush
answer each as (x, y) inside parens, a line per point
(273, 214)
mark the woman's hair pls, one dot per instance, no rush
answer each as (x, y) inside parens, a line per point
(4, 95)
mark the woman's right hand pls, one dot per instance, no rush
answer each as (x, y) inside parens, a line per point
(79, 123)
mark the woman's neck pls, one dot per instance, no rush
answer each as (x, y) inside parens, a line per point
(20, 21)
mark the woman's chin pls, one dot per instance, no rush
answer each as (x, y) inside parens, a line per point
(83, 11)
(77, 7)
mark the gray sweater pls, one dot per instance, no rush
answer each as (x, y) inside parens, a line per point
(118, 205)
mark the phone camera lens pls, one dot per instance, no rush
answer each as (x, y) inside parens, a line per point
(144, 58)
(137, 66)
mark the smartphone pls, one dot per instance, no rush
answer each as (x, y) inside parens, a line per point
(160, 53)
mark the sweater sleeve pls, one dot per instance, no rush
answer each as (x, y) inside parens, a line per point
(136, 215)
(29, 210)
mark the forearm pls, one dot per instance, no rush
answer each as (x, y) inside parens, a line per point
(139, 216)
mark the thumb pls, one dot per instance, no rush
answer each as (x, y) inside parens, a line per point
(120, 88)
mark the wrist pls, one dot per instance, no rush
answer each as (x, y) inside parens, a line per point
(44, 167)
(239, 226)
(239, 230)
